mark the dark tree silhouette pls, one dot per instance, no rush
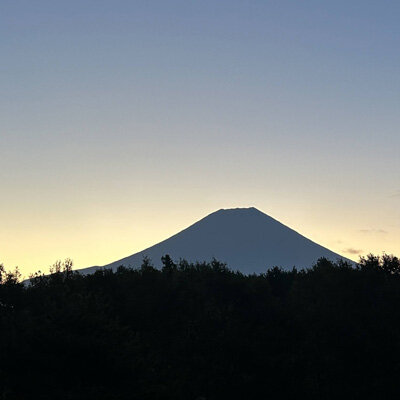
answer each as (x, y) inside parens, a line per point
(201, 331)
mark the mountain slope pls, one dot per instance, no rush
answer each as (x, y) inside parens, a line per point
(245, 238)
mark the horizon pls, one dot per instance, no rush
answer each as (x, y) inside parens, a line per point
(125, 122)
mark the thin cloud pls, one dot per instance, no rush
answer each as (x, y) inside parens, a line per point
(376, 231)
(350, 250)
(395, 194)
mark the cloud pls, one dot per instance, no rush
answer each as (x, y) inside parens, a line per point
(375, 231)
(352, 251)
(395, 194)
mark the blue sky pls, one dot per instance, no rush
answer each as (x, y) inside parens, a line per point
(140, 117)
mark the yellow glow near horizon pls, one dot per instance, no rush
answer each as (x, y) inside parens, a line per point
(101, 240)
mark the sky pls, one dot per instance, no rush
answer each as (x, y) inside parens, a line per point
(123, 122)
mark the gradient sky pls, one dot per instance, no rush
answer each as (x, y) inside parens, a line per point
(122, 122)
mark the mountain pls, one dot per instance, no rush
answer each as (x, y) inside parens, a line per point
(245, 238)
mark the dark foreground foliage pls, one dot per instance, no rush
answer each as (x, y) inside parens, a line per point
(202, 332)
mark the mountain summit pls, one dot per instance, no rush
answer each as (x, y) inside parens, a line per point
(245, 238)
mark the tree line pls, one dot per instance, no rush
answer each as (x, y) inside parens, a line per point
(202, 331)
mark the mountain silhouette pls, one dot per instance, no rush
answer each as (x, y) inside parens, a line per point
(245, 238)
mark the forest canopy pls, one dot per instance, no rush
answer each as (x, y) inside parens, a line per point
(202, 331)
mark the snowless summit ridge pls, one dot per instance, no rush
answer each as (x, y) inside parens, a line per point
(245, 238)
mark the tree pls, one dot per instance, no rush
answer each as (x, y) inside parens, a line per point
(168, 265)
(386, 263)
(9, 277)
